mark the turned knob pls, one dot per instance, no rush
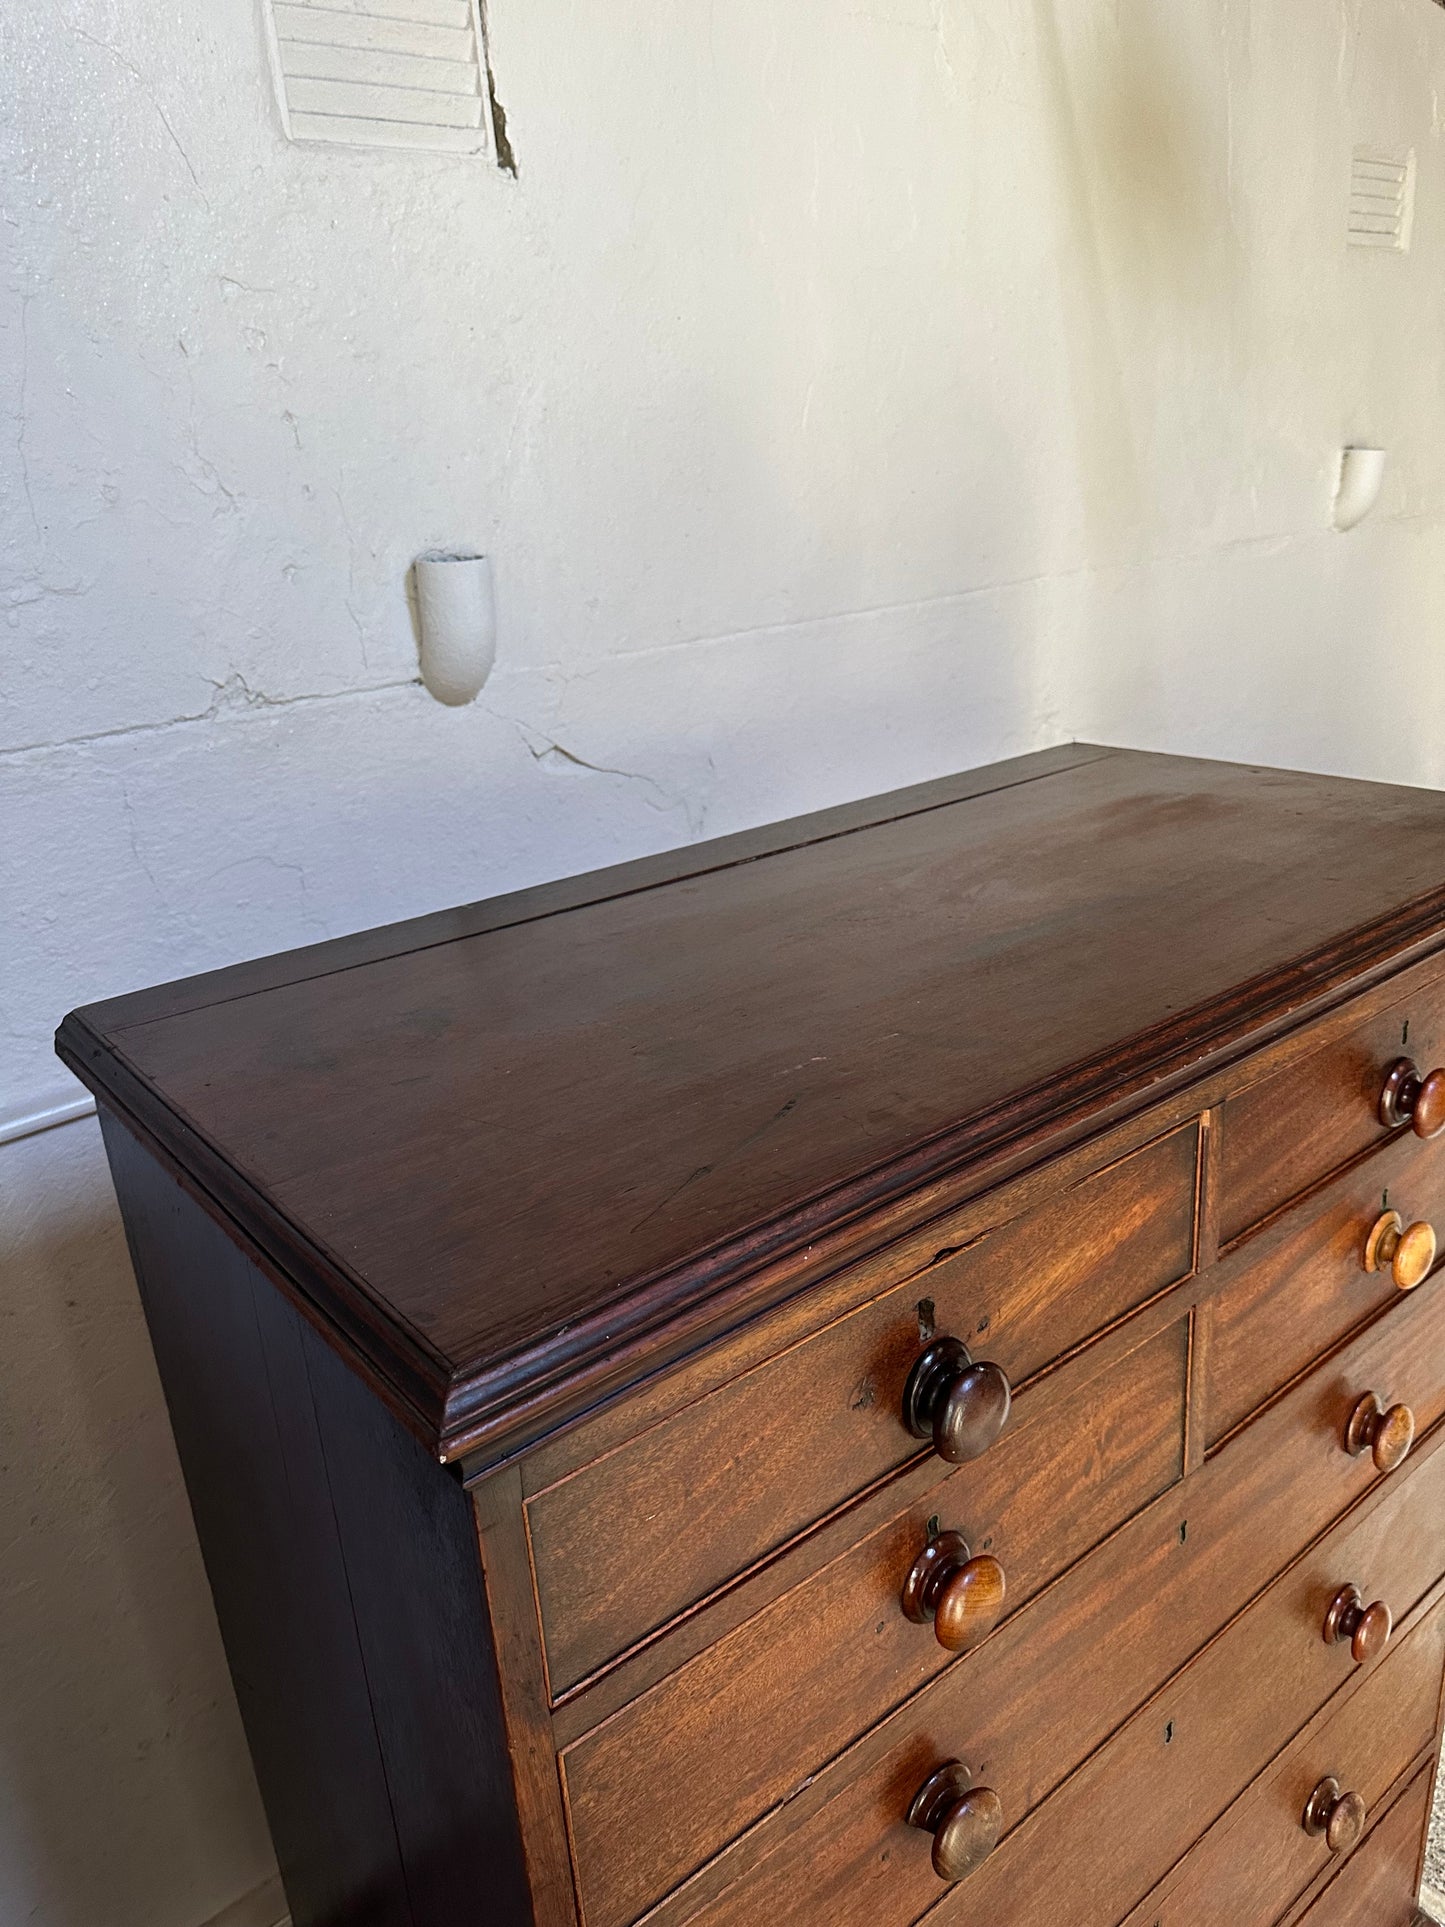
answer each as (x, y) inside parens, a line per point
(1367, 1628)
(962, 1405)
(1340, 1817)
(1386, 1435)
(1407, 1253)
(963, 1596)
(965, 1820)
(1409, 1098)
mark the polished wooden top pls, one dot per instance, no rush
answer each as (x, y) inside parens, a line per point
(514, 1156)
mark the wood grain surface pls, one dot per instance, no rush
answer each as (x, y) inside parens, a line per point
(1257, 1857)
(1377, 1884)
(625, 1543)
(760, 1710)
(1107, 1834)
(511, 1158)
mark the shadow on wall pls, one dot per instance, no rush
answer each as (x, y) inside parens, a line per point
(121, 1755)
(1151, 266)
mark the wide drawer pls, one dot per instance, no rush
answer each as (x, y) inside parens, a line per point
(625, 1543)
(1376, 1885)
(1282, 1135)
(1299, 1287)
(1052, 1683)
(753, 1715)
(1259, 1855)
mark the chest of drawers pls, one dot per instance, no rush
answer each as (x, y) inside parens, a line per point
(887, 1368)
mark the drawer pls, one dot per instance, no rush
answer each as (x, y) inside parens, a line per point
(1281, 1136)
(701, 1497)
(1051, 1684)
(1259, 1856)
(1300, 1286)
(752, 1716)
(1376, 1885)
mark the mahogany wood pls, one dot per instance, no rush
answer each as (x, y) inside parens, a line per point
(347, 1585)
(617, 1112)
(1367, 1628)
(680, 1509)
(965, 1820)
(1177, 1763)
(1412, 1097)
(764, 1707)
(961, 1593)
(923, 1285)
(1386, 1433)
(1257, 1858)
(1291, 1292)
(1056, 1678)
(1282, 1135)
(1376, 1885)
(958, 1402)
(1406, 1251)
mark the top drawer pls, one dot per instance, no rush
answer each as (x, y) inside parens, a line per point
(638, 1535)
(1281, 1136)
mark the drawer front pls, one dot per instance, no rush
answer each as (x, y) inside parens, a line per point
(1376, 1885)
(1283, 1135)
(755, 1714)
(1054, 1681)
(1258, 1856)
(626, 1543)
(1301, 1285)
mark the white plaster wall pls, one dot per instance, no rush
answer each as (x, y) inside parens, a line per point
(847, 393)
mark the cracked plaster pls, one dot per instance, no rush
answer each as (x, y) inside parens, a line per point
(843, 396)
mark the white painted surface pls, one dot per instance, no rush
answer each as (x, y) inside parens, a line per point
(1362, 470)
(844, 394)
(456, 619)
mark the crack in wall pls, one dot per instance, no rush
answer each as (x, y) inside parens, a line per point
(233, 696)
(501, 140)
(146, 93)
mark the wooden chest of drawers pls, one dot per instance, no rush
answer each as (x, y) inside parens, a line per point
(885, 1368)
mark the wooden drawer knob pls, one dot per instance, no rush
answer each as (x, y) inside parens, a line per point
(1386, 1435)
(962, 1405)
(1409, 1098)
(963, 1596)
(1340, 1817)
(1367, 1628)
(1408, 1253)
(965, 1820)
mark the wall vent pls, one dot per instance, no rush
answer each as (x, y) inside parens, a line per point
(1382, 199)
(382, 73)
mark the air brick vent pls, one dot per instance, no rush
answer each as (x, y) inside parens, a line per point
(382, 73)
(1382, 195)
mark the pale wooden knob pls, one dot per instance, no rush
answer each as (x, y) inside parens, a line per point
(1386, 1435)
(1407, 1252)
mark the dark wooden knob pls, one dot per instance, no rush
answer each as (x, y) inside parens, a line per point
(962, 1405)
(963, 1596)
(1340, 1817)
(1367, 1628)
(1406, 1252)
(965, 1820)
(1408, 1098)
(1386, 1435)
